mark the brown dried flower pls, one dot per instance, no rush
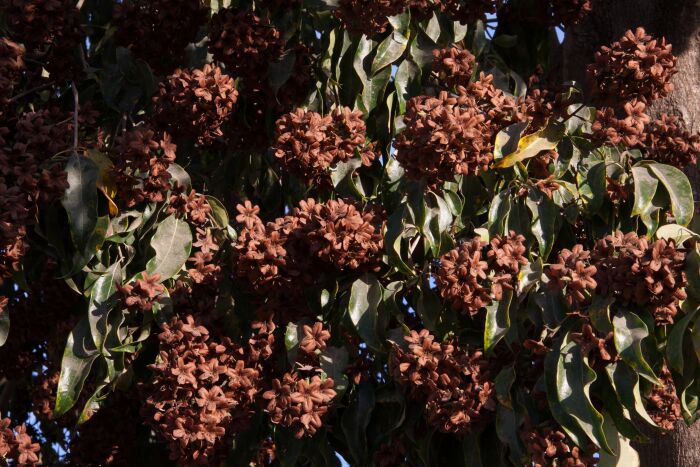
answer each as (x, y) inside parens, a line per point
(548, 446)
(667, 141)
(505, 256)
(368, 17)
(453, 66)
(16, 445)
(663, 405)
(454, 382)
(574, 274)
(244, 42)
(637, 66)
(195, 103)
(11, 65)
(570, 12)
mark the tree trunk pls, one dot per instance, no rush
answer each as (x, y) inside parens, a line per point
(679, 22)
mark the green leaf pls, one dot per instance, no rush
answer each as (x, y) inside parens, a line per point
(78, 357)
(4, 326)
(373, 90)
(507, 140)
(624, 454)
(497, 320)
(529, 277)
(334, 362)
(180, 176)
(629, 331)
(645, 186)
(574, 379)
(407, 81)
(531, 145)
(592, 187)
(625, 381)
(677, 233)
(498, 212)
(218, 212)
(172, 243)
(389, 51)
(80, 198)
(428, 307)
(354, 422)
(503, 384)
(365, 296)
(546, 220)
(102, 302)
(679, 190)
(392, 240)
(674, 345)
(281, 70)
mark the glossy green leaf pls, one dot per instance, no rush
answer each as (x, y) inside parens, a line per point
(79, 355)
(629, 331)
(507, 140)
(407, 82)
(546, 220)
(354, 422)
(592, 187)
(676, 337)
(645, 185)
(4, 326)
(625, 382)
(80, 198)
(679, 190)
(623, 455)
(392, 240)
(172, 243)
(498, 212)
(497, 320)
(389, 51)
(531, 145)
(365, 296)
(428, 307)
(218, 212)
(102, 301)
(334, 362)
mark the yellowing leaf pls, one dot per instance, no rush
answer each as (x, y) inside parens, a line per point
(529, 146)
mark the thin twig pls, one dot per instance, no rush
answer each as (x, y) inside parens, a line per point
(36, 89)
(76, 104)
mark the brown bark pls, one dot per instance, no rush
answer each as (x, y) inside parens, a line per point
(679, 22)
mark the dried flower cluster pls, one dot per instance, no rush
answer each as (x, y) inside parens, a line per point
(453, 134)
(309, 144)
(142, 294)
(284, 255)
(202, 392)
(468, 12)
(140, 169)
(244, 42)
(27, 179)
(471, 276)
(668, 142)
(630, 130)
(195, 103)
(159, 30)
(663, 405)
(17, 445)
(49, 28)
(302, 398)
(455, 383)
(11, 65)
(453, 66)
(368, 17)
(637, 66)
(638, 271)
(575, 274)
(548, 445)
(597, 349)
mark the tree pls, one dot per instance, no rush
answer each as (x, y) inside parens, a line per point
(284, 233)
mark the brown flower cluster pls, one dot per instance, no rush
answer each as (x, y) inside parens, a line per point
(11, 65)
(629, 130)
(453, 66)
(244, 42)
(158, 31)
(17, 445)
(597, 349)
(471, 275)
(28, 178)
(549, 446)
(575, 274)
(453, 134)
(638, 271)
(202, 393)
(283, 256)
(637, 66)
(570, 12)
(302, 398)
(455, 383)
(368, 17)
(51, 28)
(142, 294)
(309, 144)
(668, 142)
(195, 103)
(663, 405)
(140, 169)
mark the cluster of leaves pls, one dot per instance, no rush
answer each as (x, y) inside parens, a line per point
(435, 259)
